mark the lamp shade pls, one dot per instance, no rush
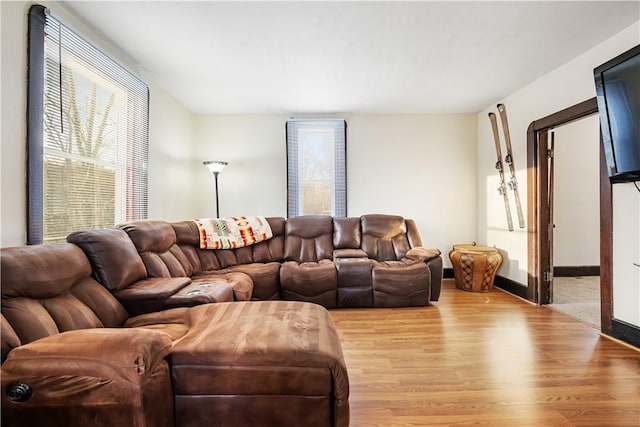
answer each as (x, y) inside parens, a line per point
(215, 166)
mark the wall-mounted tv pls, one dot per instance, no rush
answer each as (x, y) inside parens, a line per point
(618, 94)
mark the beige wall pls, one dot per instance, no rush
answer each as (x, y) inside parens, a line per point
(577, 205)
(13, 111)
(255, 181)
(417, 166)
(567, 85)
(172, 159)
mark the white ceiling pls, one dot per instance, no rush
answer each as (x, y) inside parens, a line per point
(350, 57)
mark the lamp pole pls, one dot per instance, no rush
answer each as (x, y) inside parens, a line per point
(215, 177)
(216, 167)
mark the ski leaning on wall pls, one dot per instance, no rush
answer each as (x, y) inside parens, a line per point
(512, 183)
(502, 188)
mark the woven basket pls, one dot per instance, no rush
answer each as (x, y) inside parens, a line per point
(474, 266)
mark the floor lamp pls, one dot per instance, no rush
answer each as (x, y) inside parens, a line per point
(216, 167)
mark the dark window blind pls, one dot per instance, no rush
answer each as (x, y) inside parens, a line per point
(87, 136)
(316, 167)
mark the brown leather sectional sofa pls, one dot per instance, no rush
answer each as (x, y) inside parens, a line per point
(368, 261)
(114, 327)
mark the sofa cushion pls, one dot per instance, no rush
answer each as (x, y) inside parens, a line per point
(346, 233)
(384, 237)
(150, 235)
(400, 284)
(354, 282)
(308, 238)
(170, 263)
(114, 258)
(47, 289)
(310, 281)
(271, 250)
(265, 278)
(174, 322)
(186, 232)
(156, 243)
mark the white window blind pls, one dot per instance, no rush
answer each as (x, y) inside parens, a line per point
(316, 167)
(93, 138)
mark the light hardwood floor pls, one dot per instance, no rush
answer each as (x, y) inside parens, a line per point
(485, 359)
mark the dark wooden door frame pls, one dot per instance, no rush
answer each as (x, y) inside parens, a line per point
(538, 213)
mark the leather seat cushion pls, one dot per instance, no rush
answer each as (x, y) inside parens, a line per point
(398, 283)
(265, 277)
(310, 281)
(259, 348)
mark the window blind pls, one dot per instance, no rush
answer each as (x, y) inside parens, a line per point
(316, 167)
(88, 135)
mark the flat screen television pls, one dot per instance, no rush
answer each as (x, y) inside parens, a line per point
(618, 94)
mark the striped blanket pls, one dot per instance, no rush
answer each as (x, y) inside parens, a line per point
(234, 232)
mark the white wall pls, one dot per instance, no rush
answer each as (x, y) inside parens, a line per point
(13, 37)
(170, 162)
(626, 253)
(417, 166)
(255, 181)
(567, 85)
(576, 235)
(172, 158)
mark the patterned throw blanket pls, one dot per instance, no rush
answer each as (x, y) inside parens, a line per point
(234, 232)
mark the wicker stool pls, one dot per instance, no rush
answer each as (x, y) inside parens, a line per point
(474, 267)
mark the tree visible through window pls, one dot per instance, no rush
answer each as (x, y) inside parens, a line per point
(316, 173)
(88, 135)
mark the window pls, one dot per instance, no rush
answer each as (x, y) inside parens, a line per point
(87, 135)
(316, 167)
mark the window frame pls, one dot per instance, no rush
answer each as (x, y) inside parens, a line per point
(134, 189)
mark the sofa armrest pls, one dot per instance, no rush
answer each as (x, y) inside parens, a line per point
(104, 352)
(100, 377)
(349, 253)
(152, 288)
(423, 254)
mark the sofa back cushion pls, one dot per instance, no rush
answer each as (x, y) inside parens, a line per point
(346, 233)
(115, 260)
(188, 239)
(308, 238)
(384, 237)
(271, 250)
(202, 260)
(156, 243)
(48, 289)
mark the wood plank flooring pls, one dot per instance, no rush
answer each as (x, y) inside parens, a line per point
(485, 359)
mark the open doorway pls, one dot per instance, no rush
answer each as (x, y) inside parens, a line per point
(574, 181)
(540, 212)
